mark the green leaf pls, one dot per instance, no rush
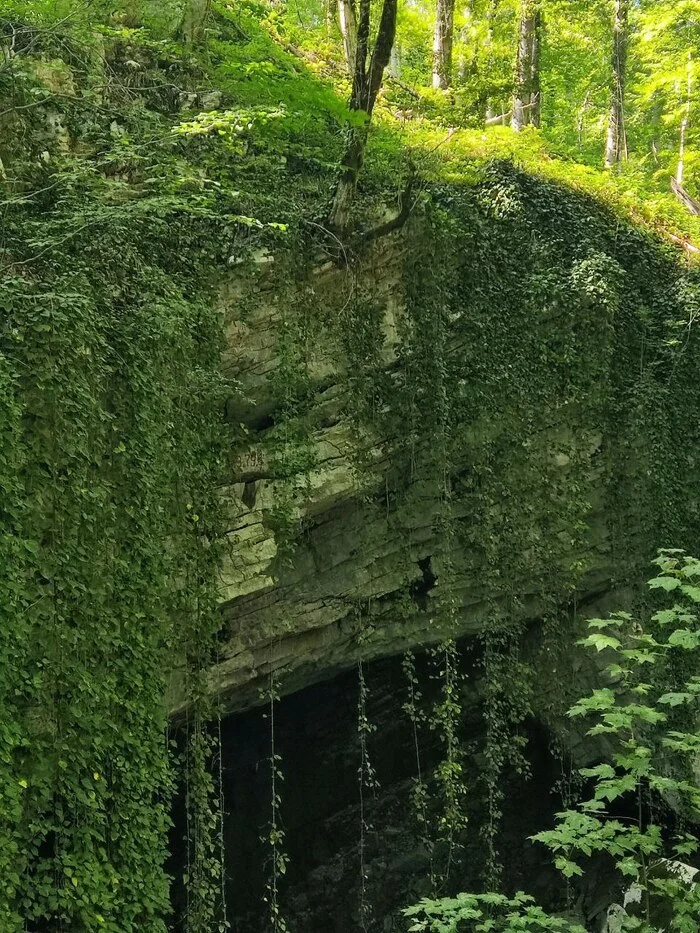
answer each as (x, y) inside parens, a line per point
(665, 616)
(601, 642)
(602, 771)
(568, 868)
(629, 867)
(684, 638)
(676, 699)
(664, 583)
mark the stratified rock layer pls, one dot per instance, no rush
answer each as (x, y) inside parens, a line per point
(506, 470)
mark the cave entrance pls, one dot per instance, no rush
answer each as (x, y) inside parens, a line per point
(316, 737)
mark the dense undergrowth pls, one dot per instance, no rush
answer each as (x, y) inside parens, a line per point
(278, 105)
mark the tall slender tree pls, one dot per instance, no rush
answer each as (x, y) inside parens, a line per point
(348, 30)
(685, 122)
(491, 13)
(194, 20)
(366, 66)
(527, 92)
(442, 43)
(616, 144)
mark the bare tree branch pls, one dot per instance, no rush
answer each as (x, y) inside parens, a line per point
(686, 200)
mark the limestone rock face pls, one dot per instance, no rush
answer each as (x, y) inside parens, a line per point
(500, 479)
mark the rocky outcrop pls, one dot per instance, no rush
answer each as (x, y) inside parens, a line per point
(550, 497)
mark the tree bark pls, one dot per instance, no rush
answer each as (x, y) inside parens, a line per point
(491, 14)
(616, 144)
(526, 99)
(349, 172)
(194, 20)
(367, 75)
(442, 44)
(348, 30)
(685, 122)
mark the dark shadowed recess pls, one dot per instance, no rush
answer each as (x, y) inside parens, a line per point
(317, 738)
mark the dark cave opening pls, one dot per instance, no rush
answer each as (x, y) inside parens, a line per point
(316, 737)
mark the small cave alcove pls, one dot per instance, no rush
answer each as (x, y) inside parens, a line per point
(317, 739)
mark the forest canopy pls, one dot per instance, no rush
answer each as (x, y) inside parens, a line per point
(608, 83)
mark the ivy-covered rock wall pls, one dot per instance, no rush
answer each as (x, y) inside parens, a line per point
(465, 429)
(111, 445)
(479, 423)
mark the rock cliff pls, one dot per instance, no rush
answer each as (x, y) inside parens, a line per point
(505, 483)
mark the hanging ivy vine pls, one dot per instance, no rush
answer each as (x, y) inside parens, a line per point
(112, 448)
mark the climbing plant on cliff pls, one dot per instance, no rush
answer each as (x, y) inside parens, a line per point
(488, 394)
(113, 396)
(112, 446)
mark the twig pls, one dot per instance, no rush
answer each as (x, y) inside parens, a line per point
(404, 87)
(686, 200)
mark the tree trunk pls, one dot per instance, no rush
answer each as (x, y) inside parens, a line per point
(367, 75)
(395, 62)
(526, 99)
(616, 145)
(442, 44)
(685, 123)
(491, 14)
(348, 30)
(194, 20)
(351, 166)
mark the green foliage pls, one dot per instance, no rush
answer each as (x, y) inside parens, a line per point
(664, 62)
(576, 79)
(419, 783)
(128, 184)
(576, 76)
(647, 711)
(484, 913)
(251, 68)
(204, 879)
(449, 779)
(648, 715)
(111, 451)
(367, 783)
(489, 351)
(274, 836)
(162, 16)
